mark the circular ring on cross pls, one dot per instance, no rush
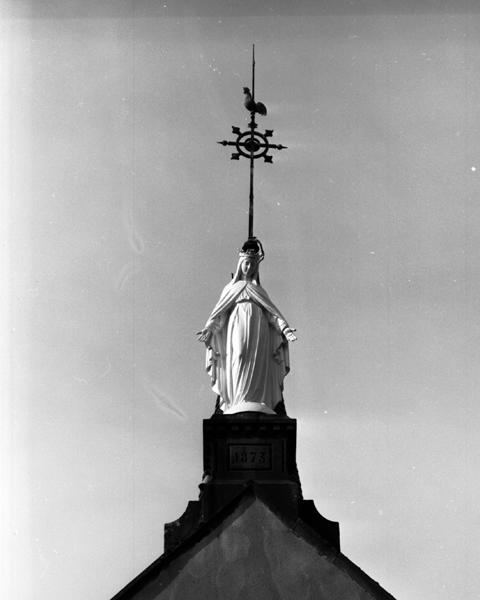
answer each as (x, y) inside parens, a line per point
(252, 145)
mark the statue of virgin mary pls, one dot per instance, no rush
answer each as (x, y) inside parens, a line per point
(247, 342)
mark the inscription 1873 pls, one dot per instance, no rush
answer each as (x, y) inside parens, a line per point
(249, 456)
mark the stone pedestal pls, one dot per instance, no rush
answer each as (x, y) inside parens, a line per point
(251, 534)
(249, 449)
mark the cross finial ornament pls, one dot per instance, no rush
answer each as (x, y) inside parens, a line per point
(252, 144)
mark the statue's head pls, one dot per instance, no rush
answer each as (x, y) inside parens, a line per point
(249, 266)
(250, 255)
(252, 248)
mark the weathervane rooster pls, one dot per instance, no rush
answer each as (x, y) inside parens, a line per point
(251, 105)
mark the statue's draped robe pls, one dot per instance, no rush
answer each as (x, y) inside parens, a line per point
(247, 357)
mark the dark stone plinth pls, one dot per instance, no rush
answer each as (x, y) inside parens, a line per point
(249, 449)
(251, 534)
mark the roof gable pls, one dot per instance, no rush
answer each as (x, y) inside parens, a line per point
(248, 550)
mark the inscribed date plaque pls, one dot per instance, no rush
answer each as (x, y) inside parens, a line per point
(249, 456)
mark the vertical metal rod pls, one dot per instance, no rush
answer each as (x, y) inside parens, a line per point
(252, 160)
(250, 204)
(253, 72)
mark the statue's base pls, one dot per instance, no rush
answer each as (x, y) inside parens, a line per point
(245, 449)
(249, 407)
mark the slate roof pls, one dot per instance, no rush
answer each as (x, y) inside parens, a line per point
(249, 494)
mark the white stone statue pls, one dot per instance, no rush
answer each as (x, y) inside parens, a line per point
(247, 342)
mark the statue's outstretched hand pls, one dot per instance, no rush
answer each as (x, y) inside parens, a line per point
(288, 333)
(204, 335)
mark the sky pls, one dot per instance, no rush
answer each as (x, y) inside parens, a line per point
(121, 222)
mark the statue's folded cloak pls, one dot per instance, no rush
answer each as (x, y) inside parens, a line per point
(255, 371)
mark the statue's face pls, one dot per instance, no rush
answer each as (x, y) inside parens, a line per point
(248, 267)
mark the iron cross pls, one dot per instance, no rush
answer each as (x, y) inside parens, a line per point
(252, 144)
